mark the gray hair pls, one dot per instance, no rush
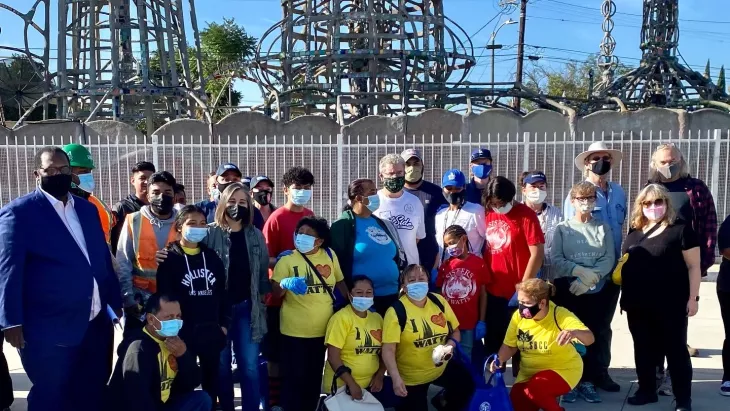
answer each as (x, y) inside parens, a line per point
(683, 166)
(390, 160)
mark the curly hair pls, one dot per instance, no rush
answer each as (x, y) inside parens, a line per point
(297, 176)
(537, 289)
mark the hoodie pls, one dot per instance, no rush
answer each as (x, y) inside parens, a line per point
(126, 257)
(129, 205)
(199, 283)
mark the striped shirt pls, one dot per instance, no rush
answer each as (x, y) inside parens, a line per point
(549, 218)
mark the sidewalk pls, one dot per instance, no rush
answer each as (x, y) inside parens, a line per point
(705, 333)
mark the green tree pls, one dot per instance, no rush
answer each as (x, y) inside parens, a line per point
(707, 70)
(225, 48)
(721, 79)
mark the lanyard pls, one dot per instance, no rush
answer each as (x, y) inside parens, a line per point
(453, 221)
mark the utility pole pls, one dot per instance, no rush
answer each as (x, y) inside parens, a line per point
(521, 48)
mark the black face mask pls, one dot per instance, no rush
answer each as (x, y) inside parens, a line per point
(162, 204)
(238, 213)
(455, 198)
(531, 310)
(57, 186)
(80, 193)
(601, 167)
(262, 197)
(222, 187)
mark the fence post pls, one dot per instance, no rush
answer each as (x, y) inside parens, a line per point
(155, 154)
(715, 182)
(526, 158)
(340, 171)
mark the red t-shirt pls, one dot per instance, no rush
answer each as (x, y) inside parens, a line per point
(279, 234)
(508, 239)
(461, 282)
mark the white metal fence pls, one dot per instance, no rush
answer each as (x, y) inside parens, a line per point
(336, 160)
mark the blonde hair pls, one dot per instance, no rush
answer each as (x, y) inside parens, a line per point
(653, 192)
(537, 289)
(582, 189)
(220, 210)
(683, 166)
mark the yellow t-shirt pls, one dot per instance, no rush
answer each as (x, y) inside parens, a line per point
(425, 328)
(168, 367)
(306, 315)
(539, 349)
(359, 340)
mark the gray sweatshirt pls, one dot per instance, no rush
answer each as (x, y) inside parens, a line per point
(589, 245)
(126, 256)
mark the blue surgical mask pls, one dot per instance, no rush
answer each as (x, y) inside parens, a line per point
(304, 243)
(86, 182)
(215, 194)
(454, 250)
(481, 171)
(362, 303)
(373, 203)
(300, 197)
(169, 328)
(417, 291)
(195, 234)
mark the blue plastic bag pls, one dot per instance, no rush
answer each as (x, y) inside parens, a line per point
(491, 395)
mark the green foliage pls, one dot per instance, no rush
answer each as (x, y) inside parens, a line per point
(721, 79)
(707, 70)
(225, 48)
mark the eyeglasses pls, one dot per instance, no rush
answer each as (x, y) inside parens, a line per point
(657, 202)
(589, 199)
(604, 158)
(52, 171)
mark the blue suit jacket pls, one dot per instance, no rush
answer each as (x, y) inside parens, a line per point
(46, 283)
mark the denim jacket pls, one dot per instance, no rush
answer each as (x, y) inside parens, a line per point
(610, 208)
(219, 240)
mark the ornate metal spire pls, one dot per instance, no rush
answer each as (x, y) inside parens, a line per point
(606, 61)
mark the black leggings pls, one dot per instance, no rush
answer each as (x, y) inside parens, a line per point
(302, 361)
(6, 383)
(724, 298)
(661, 331)
(458, 385)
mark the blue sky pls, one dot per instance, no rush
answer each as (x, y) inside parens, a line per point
(557, 30)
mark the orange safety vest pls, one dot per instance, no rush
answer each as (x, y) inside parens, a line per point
(108, 220)
(145, 247)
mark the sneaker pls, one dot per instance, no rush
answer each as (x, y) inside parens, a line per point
(665, 388)
(693, 352)
(725, 389)
(570, 397)
(587, 391)
(605, 383)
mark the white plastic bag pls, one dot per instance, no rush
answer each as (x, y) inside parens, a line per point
(342, 401)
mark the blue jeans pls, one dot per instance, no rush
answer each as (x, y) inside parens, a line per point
(247, 358)
(192, 401)
(467, 342)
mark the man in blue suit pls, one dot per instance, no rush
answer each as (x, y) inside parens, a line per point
(56, 281)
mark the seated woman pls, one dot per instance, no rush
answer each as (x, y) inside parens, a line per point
(419, 335)
(354, 339)
(542, 333)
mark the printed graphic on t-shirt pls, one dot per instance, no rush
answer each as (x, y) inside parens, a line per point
(400, 221)
(498, 236)
(167, 363)
(459, 286)
(526, 339)
(378, 235)
(369, 341)
(428, 337)
(199, 288)
(314, 286)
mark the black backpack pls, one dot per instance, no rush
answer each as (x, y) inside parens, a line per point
(400, 311)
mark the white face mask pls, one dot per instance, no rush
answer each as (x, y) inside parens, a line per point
(587, 208)
(504, 209)
(536, 196)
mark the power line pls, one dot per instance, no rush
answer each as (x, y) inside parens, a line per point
(634, 14)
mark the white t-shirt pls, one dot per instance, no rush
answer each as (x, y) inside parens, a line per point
(406, 214)
(471, 218)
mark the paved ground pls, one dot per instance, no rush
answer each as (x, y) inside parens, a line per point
(705, 333)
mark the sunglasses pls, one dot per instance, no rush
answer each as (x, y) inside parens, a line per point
(586, 199)
(604, 158)
(657, 202)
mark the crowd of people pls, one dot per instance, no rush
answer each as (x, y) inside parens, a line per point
(409, 287)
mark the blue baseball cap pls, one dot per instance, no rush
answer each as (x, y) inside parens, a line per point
(480, 153)
(256, 180)
(223, 168)
(454, 178)
(538, 177)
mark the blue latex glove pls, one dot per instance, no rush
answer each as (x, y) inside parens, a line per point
(481, 330)
(284, 254)
(297, 285)
(513, 301)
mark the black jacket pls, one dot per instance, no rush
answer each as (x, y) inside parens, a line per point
(135, 383)
(129, 205)
(202, 295)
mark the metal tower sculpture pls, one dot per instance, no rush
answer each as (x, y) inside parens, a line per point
(661, 80)
(126, 60)
(373, 56)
